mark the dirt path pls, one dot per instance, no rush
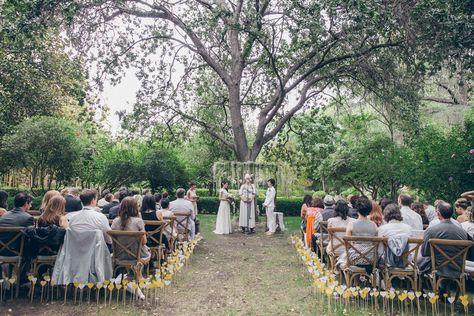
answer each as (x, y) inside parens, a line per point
(242, 275)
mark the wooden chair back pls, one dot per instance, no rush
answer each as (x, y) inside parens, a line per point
(12, 241)
(158, 230)
(410, 256)
(323, 235)
(127, 245)
(456, 261)
(335, 239)
(182, 223)
(368, 256)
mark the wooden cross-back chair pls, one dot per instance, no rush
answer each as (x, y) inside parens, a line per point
(337, 243)
(410, 271)
(12, 242)
(182, 225)
(44, 260)
(362, 259)
(173, 231)
(155, 236)
(127, 247)
(457, 262)
(323, 239)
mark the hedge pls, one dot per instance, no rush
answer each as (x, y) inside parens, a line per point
(288, 206)
(35, 206)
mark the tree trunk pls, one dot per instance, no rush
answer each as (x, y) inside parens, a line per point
(241, 147)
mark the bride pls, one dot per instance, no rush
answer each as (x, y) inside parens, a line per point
(223, 222)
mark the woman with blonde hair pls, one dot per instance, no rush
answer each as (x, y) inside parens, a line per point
(54, 213)
(46, 198)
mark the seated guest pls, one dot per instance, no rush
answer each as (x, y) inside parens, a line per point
(113, 212)
(363, 227)
(181, 205)
(446, 229)
(103, 201)
(164, 213)
(430, 211)
(47, 196)
(376, 214)
(352, 210)
(113, 202)
(384, 202)
(328, 211)
(54, 213)
(3, 202)
(461, 206)
(158, 198)
(438, 220)
(311, 215)
(88, 218)
(410, 217)
(64, 192)
(468, 225)
(73, 203)
(340, 220)
(393, 223)
(149, 213)
(19, 215)
(129, 220)
(420, 210)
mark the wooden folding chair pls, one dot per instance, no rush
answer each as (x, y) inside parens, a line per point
(127, 247)
(410, 271)
(158, 249)
(456, 262)
(12, 242)
(182, 225)
(44, 260)
(335, 240)
(362, 254)
(323, 239)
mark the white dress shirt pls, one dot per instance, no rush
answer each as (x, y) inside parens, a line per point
(468, 227)
(270, 198)
(395, 228)
(411, 218)
(437, 221)
(89, 219)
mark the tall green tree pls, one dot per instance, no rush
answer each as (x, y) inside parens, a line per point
(46, 147)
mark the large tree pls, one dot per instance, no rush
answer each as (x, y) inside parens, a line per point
(238, 60)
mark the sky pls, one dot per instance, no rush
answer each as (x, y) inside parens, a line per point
(119, 97)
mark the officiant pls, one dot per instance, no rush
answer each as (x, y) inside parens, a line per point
(247, 207)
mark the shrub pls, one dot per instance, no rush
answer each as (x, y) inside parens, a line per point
(320, 194)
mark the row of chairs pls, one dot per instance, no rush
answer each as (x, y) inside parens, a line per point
(126, 246)
(375, 251)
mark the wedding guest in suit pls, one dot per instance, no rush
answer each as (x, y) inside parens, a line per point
(448, 230)
(113, 202)
(19, 215)
(113, 212)
(73, 203)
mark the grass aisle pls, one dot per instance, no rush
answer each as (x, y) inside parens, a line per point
(242, 275)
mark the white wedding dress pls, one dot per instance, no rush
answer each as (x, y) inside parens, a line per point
(223, 222)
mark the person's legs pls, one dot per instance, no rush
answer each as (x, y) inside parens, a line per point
(271, 222)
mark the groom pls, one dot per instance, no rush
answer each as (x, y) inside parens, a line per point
(269, 206)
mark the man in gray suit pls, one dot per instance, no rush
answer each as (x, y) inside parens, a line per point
(182, 205)
(18, 217)
(446, 229)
